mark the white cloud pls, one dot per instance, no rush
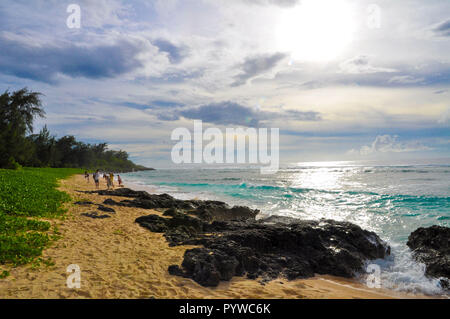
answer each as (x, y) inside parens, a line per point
(208, 45)
(405, 79)
(99, 13)
(389, 144)
(445, 117)
(361, 65)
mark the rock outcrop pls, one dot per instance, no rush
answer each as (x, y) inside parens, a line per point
(208, 210)
(431, 246)
(266, 251)
(100, 207)
(233, 243)
(95, 215)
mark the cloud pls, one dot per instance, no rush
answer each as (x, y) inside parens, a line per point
(44, 63)
(405, 79)
(445, 117)
(165, 6)
(223, 113)
(361, 65)
(151, 63)
(280, 3)
(231, 113)
(176, 54)
(301, 116)
(101, 13)
(442, 29)
(156, 104)
(389, 144)
(257, 65)
(362, 72)
(165, 103)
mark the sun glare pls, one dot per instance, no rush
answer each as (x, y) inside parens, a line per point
(316, 30)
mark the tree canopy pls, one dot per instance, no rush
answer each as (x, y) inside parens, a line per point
(18, 146)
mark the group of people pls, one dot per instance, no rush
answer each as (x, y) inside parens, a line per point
(109, 178)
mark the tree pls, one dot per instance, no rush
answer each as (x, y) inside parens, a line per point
(65, 151)
(17, 113)
(44, 148)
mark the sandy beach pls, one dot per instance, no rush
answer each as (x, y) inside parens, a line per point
(120, 259)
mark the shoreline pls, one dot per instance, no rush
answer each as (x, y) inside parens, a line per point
(138, 187)
(120, 259)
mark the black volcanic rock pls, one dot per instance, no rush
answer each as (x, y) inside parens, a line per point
(209, 267)
(219, 211)
(178, 229)
(95, 215)
(124, 192)
(234, 243)
(106, 209)
(206, 210)
(84, 203)
(112, 202)
(257, 249)
(431, 247)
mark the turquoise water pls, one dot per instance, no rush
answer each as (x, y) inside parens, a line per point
(393, 201)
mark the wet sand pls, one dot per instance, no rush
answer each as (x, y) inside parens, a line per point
(120, 259)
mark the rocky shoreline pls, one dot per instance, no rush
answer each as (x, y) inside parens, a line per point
(431, 246)
(256, 249)
(234, 243)
(120, 259)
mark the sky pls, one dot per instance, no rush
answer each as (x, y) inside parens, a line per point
(341, 79)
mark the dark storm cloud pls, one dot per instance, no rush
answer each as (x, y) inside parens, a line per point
(43, 63)
(256, 65)
(223, 113)
(165, 103)
(231, 113)
(443, 28)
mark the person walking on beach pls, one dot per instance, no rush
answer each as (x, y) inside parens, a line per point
(119, 180)
(111, 177)
(86, 175)
(96, 177)
(108, 181)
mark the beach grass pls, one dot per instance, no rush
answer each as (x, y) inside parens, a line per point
(26, 196)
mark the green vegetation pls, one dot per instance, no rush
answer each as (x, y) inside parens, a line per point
(47, 151)
(26, 195)
(17, 112)
(19, 147)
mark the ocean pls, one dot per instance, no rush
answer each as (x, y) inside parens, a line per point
(391, 200)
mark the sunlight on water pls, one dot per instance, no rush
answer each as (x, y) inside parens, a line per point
(321, 178)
